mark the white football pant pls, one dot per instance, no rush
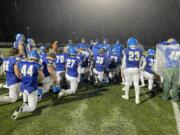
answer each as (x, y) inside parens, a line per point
(59, 75)
(100, 75)
(46, 84)
(150, 78)
(73, 85)
(132, 76)
(83, 71)
(14, 91)
(31, 100)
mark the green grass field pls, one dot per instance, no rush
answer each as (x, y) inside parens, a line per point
(92, 111)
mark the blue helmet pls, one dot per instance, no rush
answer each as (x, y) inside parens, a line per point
(151, 52)
(39, 93)
(20, 37)
(30, 40)
(56, 89)
(42, 49)
(132, 41)
(163, 43)
(73, 51)
(34, 55)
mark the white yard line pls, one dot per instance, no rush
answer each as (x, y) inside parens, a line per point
(177, 115)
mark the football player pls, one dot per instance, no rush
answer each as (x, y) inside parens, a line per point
(114, 65)
(20, 44)
(12, 78)
(61, 57)
(171, 73)
(100, 65)
(29, 71)
(49, 70)
(131, 64)
(148, 68)
(73, 66)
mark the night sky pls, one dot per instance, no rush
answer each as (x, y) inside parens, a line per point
(151, 21)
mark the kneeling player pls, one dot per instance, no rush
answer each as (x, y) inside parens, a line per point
(72, 72)
(29, 71)
(130, 65)
(99, 67)
(49, 72)
(148, 70)
(13, 82)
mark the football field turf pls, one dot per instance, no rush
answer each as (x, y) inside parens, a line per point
(92, 111)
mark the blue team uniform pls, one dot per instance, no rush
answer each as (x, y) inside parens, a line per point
(43, 57)
(172, 59)
(72, 66)
(60, 62)
(119, 48)
(71, 46)
(29, 73)
(11, 77)
(100, 62)
(45, 63)
(82, 46)
(114, 61)
(133, 56)
(149, 64)
(95, 49)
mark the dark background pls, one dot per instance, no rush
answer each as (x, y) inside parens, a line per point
(151, 21)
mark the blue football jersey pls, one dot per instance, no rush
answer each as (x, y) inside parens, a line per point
(119, 49)
(45, 64)
(172, 56)
(133, 57)
(11, 77)
(114, 61)
(100, 62)
(72, 66)
(149, 64)
(82, 46)
(60, 62)
(29, 73)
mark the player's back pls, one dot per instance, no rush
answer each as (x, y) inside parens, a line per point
(29, 72)
(60, 62)
(72, 66)
(133, 57)
(9, 63)
(149, 64)
(100, 61)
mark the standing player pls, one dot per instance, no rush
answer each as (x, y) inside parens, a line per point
(130, 64)
(29, 71)
(148, 70)
(12, 78)
(72, 72)
(20, 44)
(171, 73)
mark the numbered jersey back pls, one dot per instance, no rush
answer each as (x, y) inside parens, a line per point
(100, 63)
(172, 56)
(149, 64)
(133, 57)
(29, 73)
(60, 62)
(72, 66)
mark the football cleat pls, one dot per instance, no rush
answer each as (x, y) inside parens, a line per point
(125, 97)
(61, 94)
(138, 102)
(16, 113)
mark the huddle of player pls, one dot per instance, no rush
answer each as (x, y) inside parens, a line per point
(96, 62)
